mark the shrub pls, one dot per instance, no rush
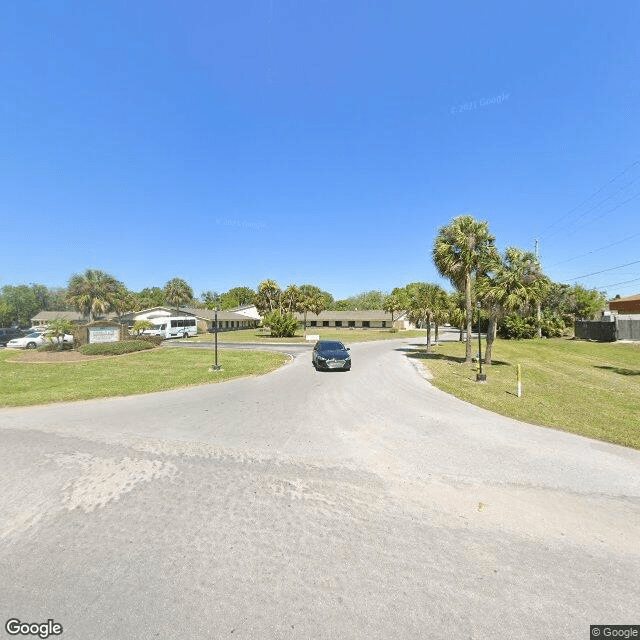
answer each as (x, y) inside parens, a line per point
(552, 324)
(115, 348)
(515, 327)
(54, 346)
(281, 325)
(141, 325)
(154, 340)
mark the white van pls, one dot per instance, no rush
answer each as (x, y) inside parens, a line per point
(173, 327)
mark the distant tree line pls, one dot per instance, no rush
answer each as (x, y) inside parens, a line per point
(516, 299)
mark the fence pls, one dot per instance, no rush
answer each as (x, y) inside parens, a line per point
(628, 328)
(622, 328)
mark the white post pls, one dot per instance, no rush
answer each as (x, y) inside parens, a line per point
(519, 388)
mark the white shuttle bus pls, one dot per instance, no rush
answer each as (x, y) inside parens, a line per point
(173, 327)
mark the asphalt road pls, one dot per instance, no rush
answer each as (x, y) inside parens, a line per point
(362, 504)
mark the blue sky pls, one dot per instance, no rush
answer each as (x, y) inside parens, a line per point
(320, 142)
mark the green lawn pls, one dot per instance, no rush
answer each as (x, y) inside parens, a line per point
(583, 387)
(344, 335)
(141, 372)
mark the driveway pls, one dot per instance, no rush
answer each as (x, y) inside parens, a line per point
(362, 504)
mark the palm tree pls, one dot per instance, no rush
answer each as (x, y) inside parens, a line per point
(268, 298)
(57, 329)
(311, 299)
(392, 303)
(178, 291)
(516, 283)
(457, 314)
(92, 292)
(460, 248)
(123, 301)
(290, 299)
(426, 301)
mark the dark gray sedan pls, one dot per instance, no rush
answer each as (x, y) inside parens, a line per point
(331, 354)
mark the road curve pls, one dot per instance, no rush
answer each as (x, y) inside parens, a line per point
(362, 504)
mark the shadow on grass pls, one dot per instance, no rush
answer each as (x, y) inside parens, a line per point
(622, 372)
(423, 355)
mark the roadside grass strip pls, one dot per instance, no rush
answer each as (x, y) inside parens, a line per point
(588, 388)
(23, 384)
(346, 336)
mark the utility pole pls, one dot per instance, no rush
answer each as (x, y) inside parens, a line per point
(538, 305)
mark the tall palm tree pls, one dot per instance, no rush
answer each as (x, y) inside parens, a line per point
(311, 299)
(392, 303)
(290, 299)
(426, 301)
(177, 291)
(269, 296)
(463, 247)
(516, 283)
(457, 314)
(92, 292)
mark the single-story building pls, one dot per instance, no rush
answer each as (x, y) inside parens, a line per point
(227, 320)
(628, 304)
(356, 319)
(45, 317)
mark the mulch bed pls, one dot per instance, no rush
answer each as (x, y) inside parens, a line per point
(52, 356)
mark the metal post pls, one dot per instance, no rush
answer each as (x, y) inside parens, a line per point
(480, 377)
(216, 366)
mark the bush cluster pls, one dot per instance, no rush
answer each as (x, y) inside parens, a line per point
(154, 340)
(66, 346)
(281, 325)
(553, 325)
(516, 327)
(115, 348)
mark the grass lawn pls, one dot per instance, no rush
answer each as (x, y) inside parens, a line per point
(344, 335)
(583, 387)
(140, 372)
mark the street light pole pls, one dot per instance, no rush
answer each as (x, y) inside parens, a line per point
(480, 377)
(216, 366)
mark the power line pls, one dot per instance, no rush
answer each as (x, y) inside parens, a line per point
(595, 193)
(595, 206)
(608, 246)
(595, 273)
(615, 284)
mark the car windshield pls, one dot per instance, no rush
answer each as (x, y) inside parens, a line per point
(330, 346)
(32, 335)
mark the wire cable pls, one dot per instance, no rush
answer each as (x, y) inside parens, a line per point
(595, 193)
(595, 273)
(608, 246)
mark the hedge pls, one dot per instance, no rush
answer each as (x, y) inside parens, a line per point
(154, 340)
(114, 348)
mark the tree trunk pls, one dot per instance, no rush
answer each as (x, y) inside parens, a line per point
(539, 319)
(491, 335)
(305, 323)
(467, 295)
(436, 334)
(428, 334)
(460, 339)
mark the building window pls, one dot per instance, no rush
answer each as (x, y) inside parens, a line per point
(352, 323)
(338, 323)
(325, 323)
(366, 324)
(313, 323)
(384, 324)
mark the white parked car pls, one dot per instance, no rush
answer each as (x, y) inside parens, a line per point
(36, 339)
